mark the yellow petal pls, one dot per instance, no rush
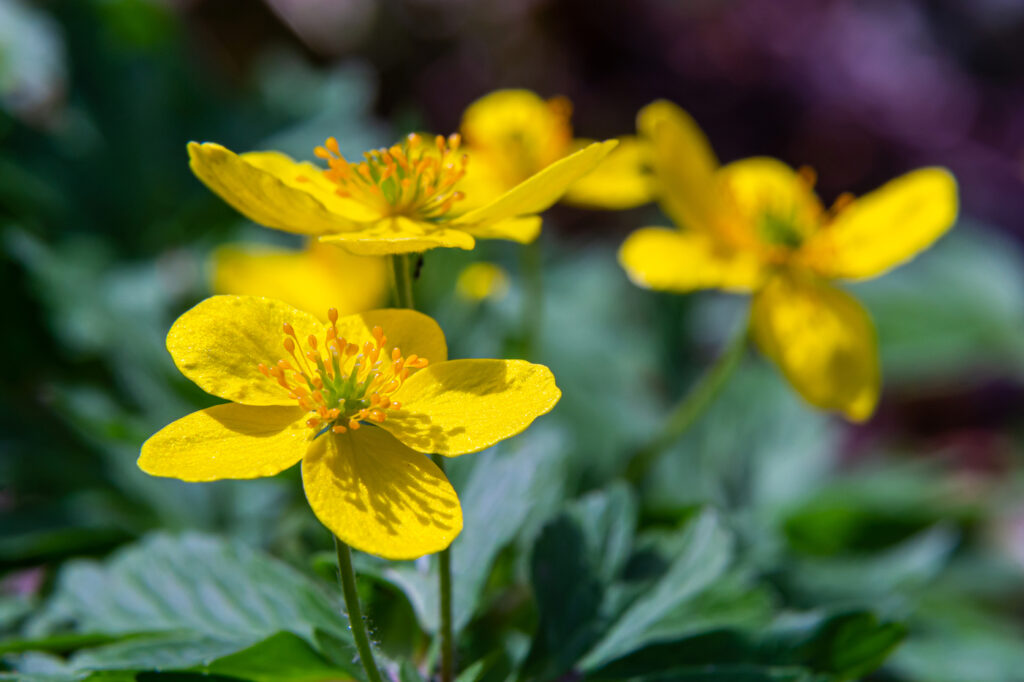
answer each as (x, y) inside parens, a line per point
(314, 280)
(822, 340)
(623, 180)
(219, 343)
(379, 496)
(543, 189)
(522, 230)
(683, 164)
(520, 132)
(411, 331)
(888, 226)
(400, 235)
(669, 260)
(307, 177)
(262, 196)
(228, 441)
(462, 406)
(772, 202)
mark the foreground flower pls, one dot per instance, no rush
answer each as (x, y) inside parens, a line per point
(356, 400)
(512, 134)
(404, 199)
(314, 279)
(757, 226)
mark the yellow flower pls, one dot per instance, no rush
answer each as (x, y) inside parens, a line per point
(313, 279)
(512, 134)
(356, 404)
(756, 225)
(404, 199)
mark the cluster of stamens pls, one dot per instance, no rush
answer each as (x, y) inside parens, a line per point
(413, 178)
(340, 382)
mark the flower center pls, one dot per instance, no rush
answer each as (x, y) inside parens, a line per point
(413, 178)
(340, 382)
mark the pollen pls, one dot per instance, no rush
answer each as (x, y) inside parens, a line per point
(415, 178)
(340, 382)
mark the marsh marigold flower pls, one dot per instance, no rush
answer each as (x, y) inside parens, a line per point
(357, 400)
(406, 198)
(513, 134)
(756, 226)
(314, 279)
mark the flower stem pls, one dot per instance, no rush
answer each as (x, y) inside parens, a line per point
(401, 281)
(692, 405)
(444, 567)
(531, 266)
(355, 614)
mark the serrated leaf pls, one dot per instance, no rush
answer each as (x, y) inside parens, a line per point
(707, 551)
(192, 583)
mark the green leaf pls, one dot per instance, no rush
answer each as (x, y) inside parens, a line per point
(283, 657)
(192, 583)
(574, 561)
(707, 551)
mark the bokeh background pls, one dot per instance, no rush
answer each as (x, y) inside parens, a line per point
(106, 237)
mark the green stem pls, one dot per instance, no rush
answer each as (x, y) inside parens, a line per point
(692, 405)
(355, 613)
(533, 296)
(401, 281)
(444, 566)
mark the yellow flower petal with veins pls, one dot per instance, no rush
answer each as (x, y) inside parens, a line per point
(219, 343)
(822, 340)
(400, 235)
(379, 496)
(522, 230)
(228, 441)
(669, 260)
(542, 190)
(314, 279)
(886, 227)
(263, 196)
(464, 406)
(623, 180)
(411, 331)
(683, 165)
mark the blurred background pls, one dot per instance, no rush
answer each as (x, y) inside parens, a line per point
(105, 237)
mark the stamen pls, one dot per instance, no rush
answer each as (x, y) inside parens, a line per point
(353, 384)
(411, 178)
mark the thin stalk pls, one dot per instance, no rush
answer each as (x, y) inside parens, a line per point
(401, 281)
(531, 267)
(444, 566)
(355, 614)
(692, 405)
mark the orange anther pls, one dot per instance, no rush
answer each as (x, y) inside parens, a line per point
(338, 429)
(288, 329)
(395, 405)
(289, 345)
(312, 341)
(332, 144)
(263, 369)
(332, 315)
(396, 353)
(313, 422)
(353, 424)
